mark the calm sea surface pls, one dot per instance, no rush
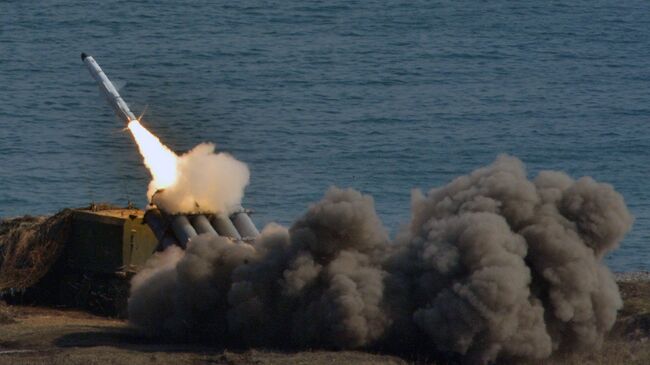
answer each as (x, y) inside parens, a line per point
(382, 96)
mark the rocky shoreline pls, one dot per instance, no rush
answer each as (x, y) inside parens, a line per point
(632, 276)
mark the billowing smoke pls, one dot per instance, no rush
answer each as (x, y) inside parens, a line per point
(318, 284)
(206, 182)
(493, 265)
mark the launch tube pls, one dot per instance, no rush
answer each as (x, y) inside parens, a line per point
(245, 225)
(225, 227)
(202, 225)
(183, 229)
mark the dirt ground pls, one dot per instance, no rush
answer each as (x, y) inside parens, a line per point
(32, 335)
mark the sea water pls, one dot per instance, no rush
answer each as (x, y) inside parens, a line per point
(381, 96)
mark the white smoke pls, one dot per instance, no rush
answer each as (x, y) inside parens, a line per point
(206, 182)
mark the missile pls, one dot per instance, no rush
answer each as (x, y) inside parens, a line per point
(106, 87)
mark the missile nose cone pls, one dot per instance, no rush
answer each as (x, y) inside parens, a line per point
(83, 56)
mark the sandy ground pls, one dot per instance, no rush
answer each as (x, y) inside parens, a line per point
(30, 335)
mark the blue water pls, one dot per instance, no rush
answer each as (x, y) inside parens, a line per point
(382, 96)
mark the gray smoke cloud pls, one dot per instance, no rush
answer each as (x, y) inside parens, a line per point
(492, 266)
(318, 284)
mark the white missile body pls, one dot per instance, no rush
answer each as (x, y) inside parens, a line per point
(110, 92)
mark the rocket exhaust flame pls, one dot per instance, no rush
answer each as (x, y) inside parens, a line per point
(159, 159)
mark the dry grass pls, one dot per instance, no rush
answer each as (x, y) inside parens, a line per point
(29, 247)
(634, 320)
(6, 315)
(613, 352)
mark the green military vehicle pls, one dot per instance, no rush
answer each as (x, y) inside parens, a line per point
(78, 257)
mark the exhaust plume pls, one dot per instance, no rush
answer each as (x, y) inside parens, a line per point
(491, 266)
(198, 181)
(159, 159)
(206, 182)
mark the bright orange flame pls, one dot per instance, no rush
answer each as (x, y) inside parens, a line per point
(159, 159)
